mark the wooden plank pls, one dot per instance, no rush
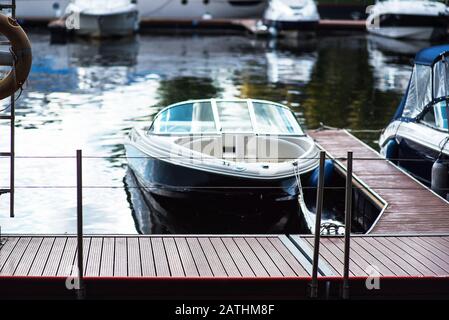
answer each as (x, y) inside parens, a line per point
(204, 270)
(264, 257)
(173, 258)
(55, 256)
(420, 255)
(225, 258)
(295, 258)
(146, 257)
(107, 257)
(440, 258)
(28, 257)
(381, 265)
(38, 266)
(254, 262)
(86, 248)
(120, 258)
(6, 250)
(276, 257)
(188, 263)
(14, 258)
(68, 258)
(160, 258)
(378, 254)
(412, 207)
(410, 260)
(334, 263)
(134, 264)
(212, 257)
(94, 260)
(239, 260)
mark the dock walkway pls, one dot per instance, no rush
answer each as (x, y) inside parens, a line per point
(408, 206)
(220, 266)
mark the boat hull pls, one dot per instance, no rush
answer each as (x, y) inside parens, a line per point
(293, 25)
(166, 179)
(107, 25)
(409, 26)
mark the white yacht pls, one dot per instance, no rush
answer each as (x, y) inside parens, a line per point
(100, 18)
(410, 19)
(46, 10)
(296, 15)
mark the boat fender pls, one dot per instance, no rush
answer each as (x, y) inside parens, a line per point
(391, 149)
(21, 53)
(328, 172)
(440, 178)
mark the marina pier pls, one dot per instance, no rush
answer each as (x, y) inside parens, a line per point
(399, 260)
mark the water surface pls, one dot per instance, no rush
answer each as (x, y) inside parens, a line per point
(87, 95)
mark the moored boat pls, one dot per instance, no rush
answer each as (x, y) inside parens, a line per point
(409, 19)
(243, 154)
(103, 18)
(417, 138)
(292, 15)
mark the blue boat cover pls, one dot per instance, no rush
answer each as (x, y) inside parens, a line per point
(428, 83)
(429, 56)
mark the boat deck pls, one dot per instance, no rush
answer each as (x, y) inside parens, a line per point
(408, 206)
(221, 266)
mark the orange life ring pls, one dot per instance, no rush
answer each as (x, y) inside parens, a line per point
(21, 51)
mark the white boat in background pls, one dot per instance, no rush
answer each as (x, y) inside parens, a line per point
(40, 10)
(409, 19)
(101, 18)
(296, 15)
(45, 10)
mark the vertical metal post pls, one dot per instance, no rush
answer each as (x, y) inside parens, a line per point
(13, 9)
(319, 209)
(348, 219)
(12, 157)
(79, 216)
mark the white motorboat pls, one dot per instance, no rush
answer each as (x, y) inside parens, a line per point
(296, 15)
(410, 19)
(100, 18)
(46, 10)
(243, 152)
(417, 139)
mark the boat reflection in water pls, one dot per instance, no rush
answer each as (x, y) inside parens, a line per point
(390, 61)
(156, 215)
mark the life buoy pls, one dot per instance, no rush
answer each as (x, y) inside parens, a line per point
(21, 51)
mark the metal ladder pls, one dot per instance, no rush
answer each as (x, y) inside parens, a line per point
(11, 117)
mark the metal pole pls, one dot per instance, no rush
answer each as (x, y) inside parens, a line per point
(348, 219)
(12, 157)
(319, 209)
(79, 216)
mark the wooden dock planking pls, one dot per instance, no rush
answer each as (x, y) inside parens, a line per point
(274, 263)
(94, 260)
(54, 258)
(15, 256)
(41, 257)
(146, 258)
(410, 206)
(216, 265)
(187, 260)
(107, 257)
(201, 262)
(223, 256)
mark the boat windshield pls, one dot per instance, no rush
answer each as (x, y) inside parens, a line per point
(226, 116)
(425, 87)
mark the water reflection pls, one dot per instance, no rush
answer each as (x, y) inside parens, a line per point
(89, 94)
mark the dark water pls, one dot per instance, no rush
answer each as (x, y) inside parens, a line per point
(88, 95)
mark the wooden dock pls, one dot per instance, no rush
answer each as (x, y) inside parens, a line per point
(276, 266)
(408, 207)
